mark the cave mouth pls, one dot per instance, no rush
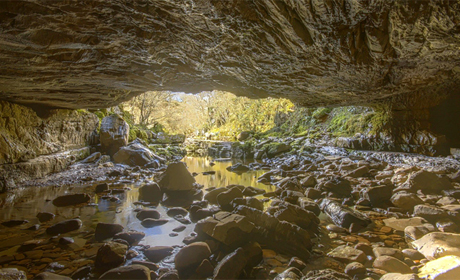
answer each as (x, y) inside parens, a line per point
(445, 120)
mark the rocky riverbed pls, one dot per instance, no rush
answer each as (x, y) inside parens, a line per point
(322, 214)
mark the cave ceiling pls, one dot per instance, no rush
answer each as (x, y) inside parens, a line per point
(99, 53)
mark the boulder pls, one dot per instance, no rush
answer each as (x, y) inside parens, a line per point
(431, 213)
(378, 196)
(281, 236)
(45, 217)
(405, 201)
(438, 244)
(149, 222)
(158, 253)
(64, 227)
(176, 177)
(110, 255)
(191, 256)
(401, 224)
(347, 254)
(385, 251)
(291, 273)
(243, 135)
(114, 134)
(355, 268)
(275, 149)
(248, 201)
(427, 182)
(310, 205)
(148, 213)
(132, 237)
(413, 233)
(343, 216)
(337, 186)
(150, 193)
(211, 196)
(14, 223)
(102, 188)
(106, 230)
(308, 182)
(444, 268)
(238, 168)
(231, 266)
(391, 264)
(251, 191)
(71, 199)
(226, 227)
(296, 215)
(224, 199)
(174, 211)
(134, 271)
(135, 154)
(359, 172)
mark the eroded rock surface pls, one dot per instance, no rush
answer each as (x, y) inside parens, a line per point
(100, 53)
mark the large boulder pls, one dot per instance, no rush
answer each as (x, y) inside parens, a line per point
(232, 265)
(71, 199)
(226, 227)
(110, 255)
(444, 268)
(150, 193)
(114, 134)
(438, 244)
(391, 264)
(106, 230)
(336, 186)
(132, 236)
(343, 216)
(135, 154)
(426, 182)
(157, 253)
(192, 255)
(281, 236)
(176, 177)
(378, 196)
(405, 201)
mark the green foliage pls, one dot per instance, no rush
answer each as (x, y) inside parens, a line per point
(321, 113)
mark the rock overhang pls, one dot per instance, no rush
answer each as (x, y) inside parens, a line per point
(96, 53)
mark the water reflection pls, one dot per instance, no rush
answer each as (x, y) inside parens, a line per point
(222, 177)
(26, 203)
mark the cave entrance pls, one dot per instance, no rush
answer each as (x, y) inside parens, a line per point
(445, 120)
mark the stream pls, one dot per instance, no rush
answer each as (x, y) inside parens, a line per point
(25, 203)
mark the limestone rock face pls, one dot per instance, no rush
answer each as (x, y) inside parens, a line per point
(26, 135)
(114, 134)
(100, 53)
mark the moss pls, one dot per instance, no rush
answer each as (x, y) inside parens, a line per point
(321, 113)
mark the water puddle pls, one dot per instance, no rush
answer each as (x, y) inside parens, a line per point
(26, 203)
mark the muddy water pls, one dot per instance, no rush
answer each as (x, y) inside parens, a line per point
(26, 203)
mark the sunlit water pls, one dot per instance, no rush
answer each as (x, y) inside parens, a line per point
(26, 203)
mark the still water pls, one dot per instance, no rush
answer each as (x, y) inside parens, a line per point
(26, 203)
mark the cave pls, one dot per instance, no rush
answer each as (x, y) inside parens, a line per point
(236, 139)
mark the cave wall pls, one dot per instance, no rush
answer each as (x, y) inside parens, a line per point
(25, 135)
